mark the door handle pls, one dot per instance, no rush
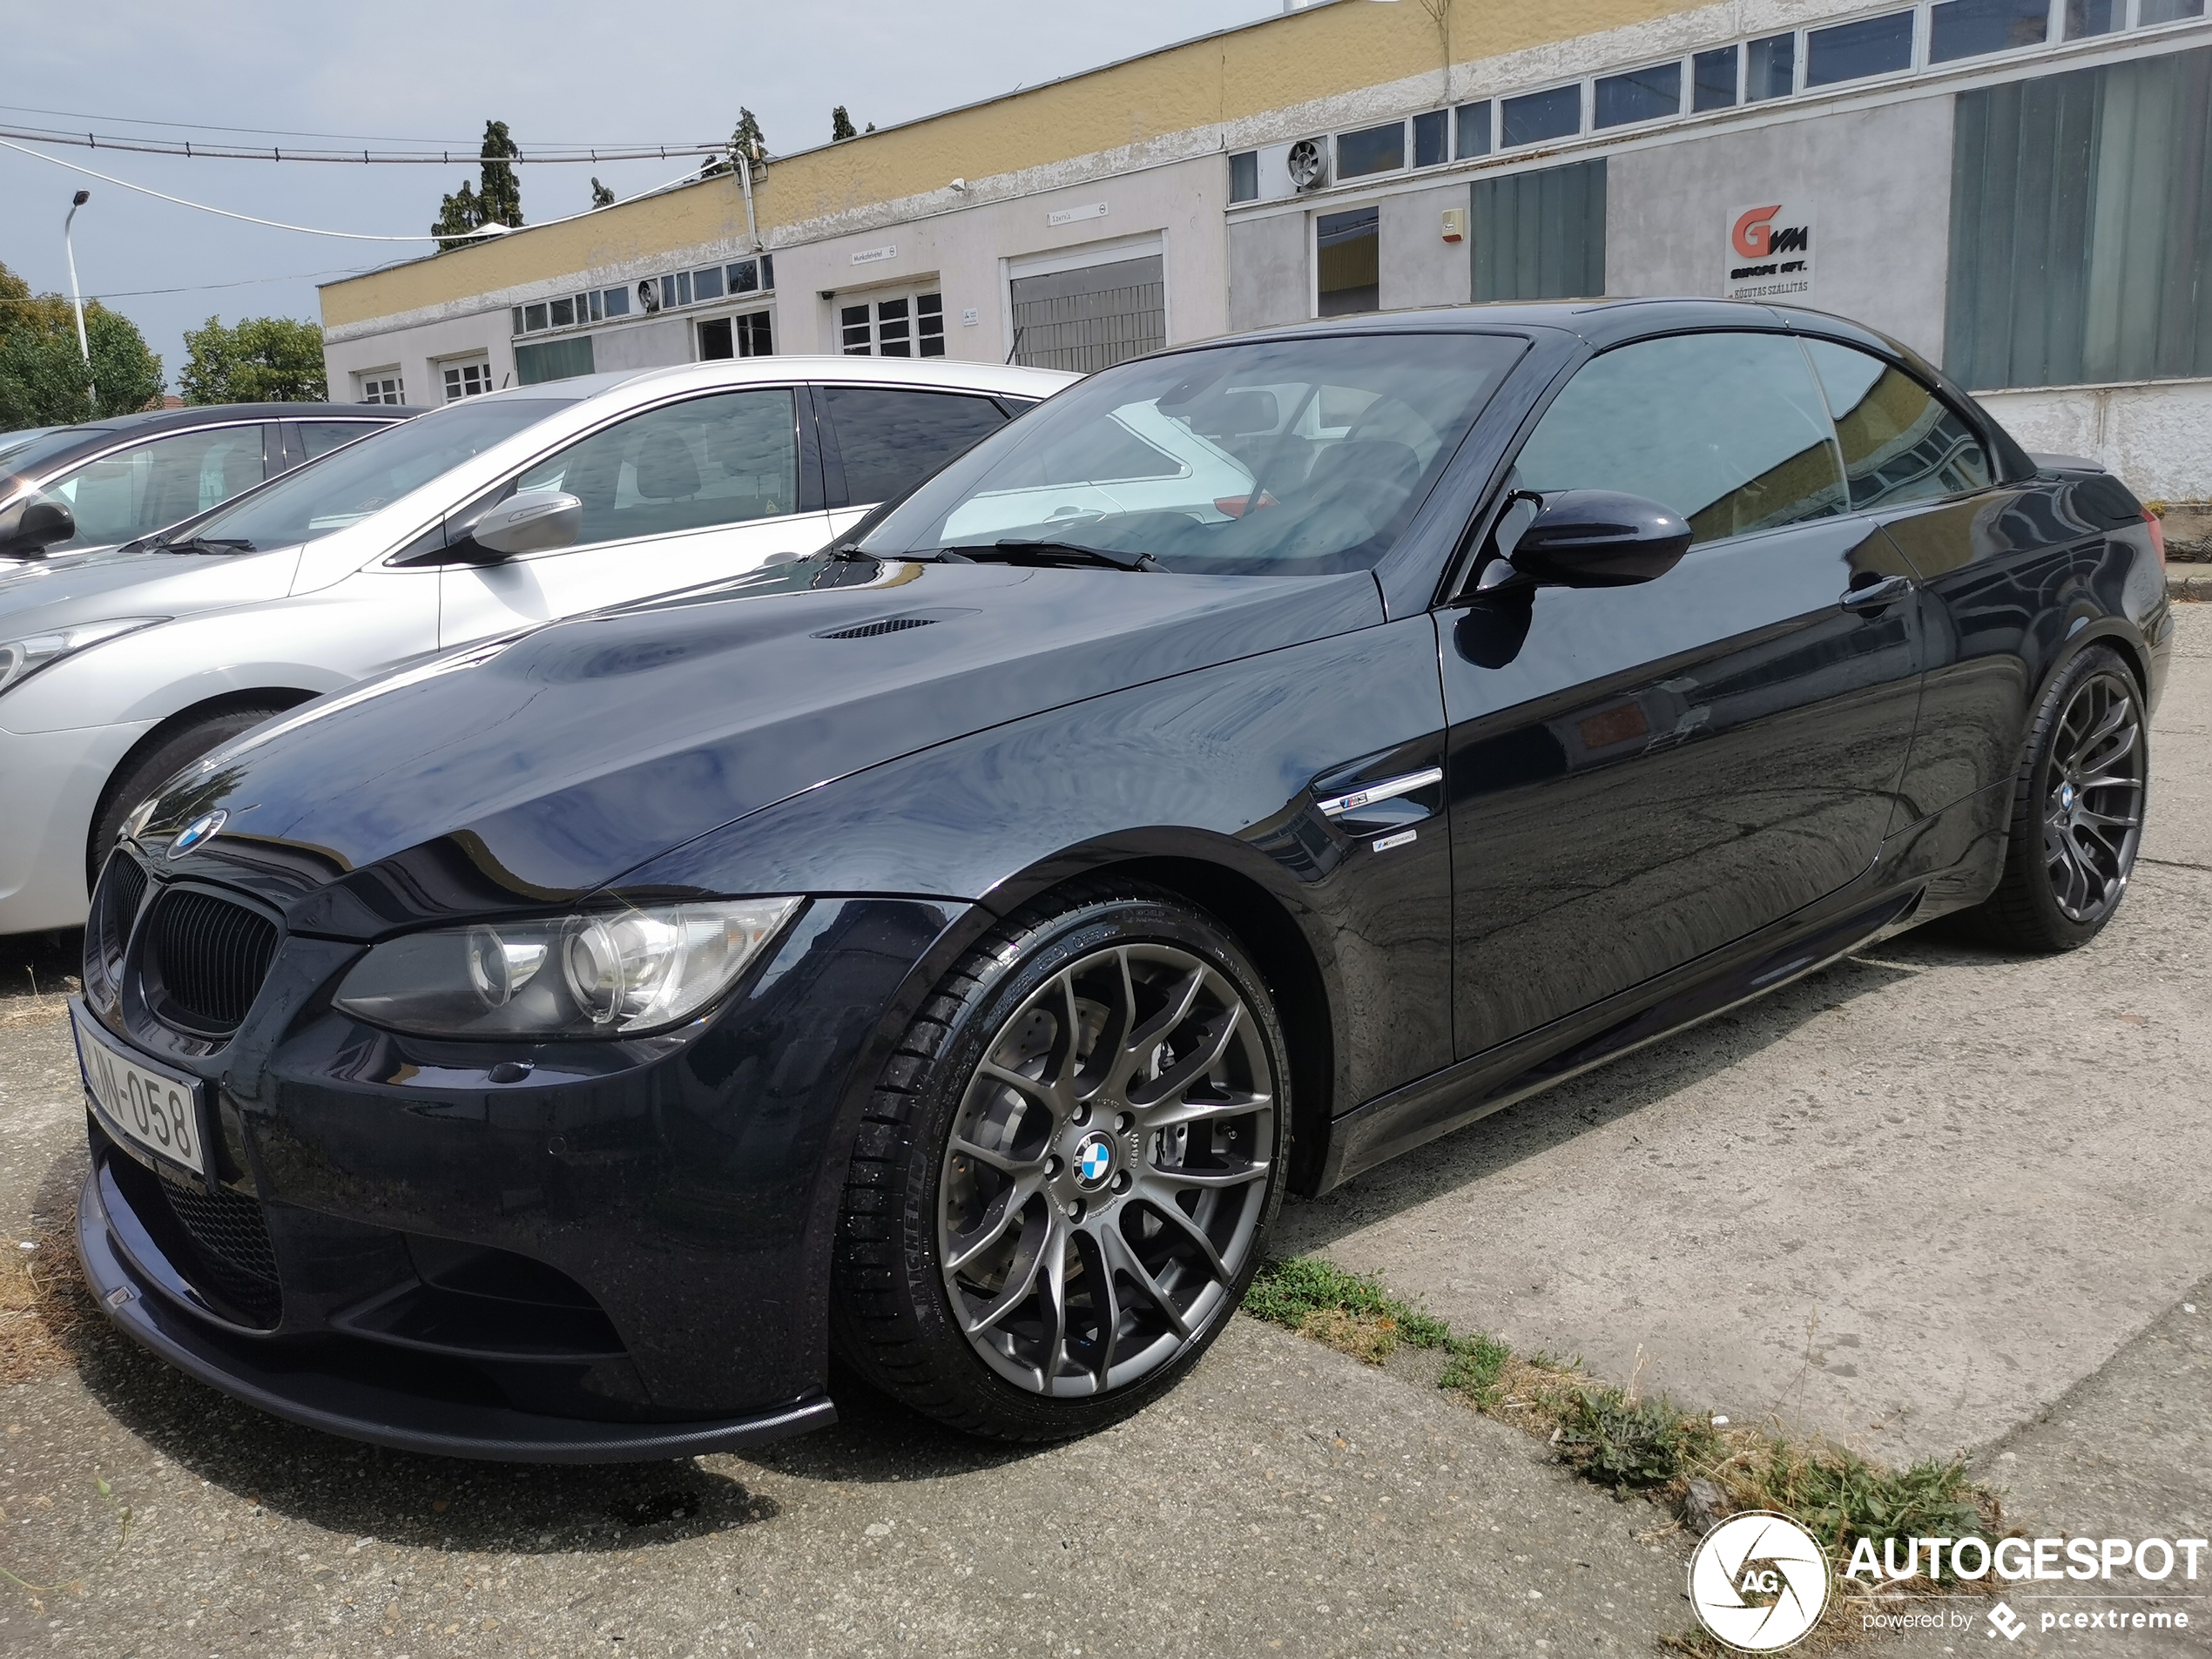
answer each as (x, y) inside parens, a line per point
(1875, 595)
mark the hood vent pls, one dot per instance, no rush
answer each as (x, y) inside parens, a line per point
(880, 625)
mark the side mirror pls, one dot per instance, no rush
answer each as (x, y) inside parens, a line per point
(1600, 538)
(533, 522)
(33, 524)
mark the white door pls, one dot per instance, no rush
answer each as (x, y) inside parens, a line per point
(676, 495)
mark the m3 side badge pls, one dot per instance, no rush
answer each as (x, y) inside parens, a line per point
(199, 832)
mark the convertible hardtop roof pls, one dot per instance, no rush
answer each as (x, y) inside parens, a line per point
(1601, 322)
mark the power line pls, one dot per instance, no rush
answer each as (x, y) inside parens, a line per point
(590, 156)
(302, 132)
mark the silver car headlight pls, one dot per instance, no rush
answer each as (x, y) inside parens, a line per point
(21, 658)
(614, 973)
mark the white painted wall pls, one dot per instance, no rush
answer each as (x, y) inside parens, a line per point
(418, 351)
(1418, 266)
(1879, 183)
(2155, 434)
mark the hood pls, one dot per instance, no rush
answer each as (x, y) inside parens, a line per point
(532, 770)
(59, 592)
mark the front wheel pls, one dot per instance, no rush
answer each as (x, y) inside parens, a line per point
(1068, 1170)
(2077, 809)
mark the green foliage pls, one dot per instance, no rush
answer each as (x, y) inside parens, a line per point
(1477, 1363)
(1618, 1441)
(1292, 1290)
(42, 373)
(257, 359)
(497, 199)
(1841, 1497)
(601, 196)
(841, 125)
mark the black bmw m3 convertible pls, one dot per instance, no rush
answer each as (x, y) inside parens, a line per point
(943, 951)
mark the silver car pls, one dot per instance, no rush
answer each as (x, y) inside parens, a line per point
(118, 669)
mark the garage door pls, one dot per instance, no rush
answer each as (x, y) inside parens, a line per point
(1091, 317)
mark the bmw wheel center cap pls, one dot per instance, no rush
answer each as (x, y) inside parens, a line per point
(200, 831)
(1094, 1160)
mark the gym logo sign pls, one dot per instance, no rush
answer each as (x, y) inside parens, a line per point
(1758, 1581)
(1770, 251)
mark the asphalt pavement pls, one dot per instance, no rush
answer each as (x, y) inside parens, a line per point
(1930, 1199)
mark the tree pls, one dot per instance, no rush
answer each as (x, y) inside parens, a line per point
(498, 199)
(258, 360)
(841, 125)
(42, 374)
(601, 196)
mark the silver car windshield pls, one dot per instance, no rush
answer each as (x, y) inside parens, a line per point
(350, 484)
(20, 452)
(1278, 456)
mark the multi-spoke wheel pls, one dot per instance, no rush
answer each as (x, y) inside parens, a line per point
(1066, 1179)
(2078, 809)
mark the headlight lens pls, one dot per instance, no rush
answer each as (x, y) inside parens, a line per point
(21, 658)
(614, 973)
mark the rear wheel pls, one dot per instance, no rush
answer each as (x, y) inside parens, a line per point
(2077, 809)
(1068, 1170)
(153, 762)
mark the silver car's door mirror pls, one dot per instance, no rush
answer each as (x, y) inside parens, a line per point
(534, 520)
(33, 524)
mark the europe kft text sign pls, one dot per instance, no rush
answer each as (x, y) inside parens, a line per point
(1770, 251)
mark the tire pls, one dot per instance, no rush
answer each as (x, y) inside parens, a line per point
(160, 757)
(2077, 805)
(980, 1204)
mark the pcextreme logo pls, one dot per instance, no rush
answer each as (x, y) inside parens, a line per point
(1758, 1581)
(1770, 251)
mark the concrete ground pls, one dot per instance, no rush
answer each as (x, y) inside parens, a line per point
(1932, 1200)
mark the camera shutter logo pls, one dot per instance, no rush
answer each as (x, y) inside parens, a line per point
(1759, 1582)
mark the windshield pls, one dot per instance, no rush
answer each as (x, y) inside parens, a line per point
(20, 452)
(348, 484)
(1280, 457)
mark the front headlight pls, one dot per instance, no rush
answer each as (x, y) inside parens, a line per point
(614, 973)
(21, 658)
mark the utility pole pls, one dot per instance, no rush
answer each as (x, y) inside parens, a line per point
(91, 393)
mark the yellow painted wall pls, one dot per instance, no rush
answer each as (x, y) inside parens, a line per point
(1324, 52)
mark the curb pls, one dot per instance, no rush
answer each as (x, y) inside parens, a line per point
(2184, 583)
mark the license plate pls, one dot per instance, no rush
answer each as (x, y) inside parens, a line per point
(154, 1109)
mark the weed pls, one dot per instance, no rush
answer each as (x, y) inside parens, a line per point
(43, 1304)
(1618, 1441)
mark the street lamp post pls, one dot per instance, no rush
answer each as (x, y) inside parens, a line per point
(91, 393)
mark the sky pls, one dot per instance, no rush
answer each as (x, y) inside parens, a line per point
(426, 75)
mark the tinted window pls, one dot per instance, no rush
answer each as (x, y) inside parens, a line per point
(891, 439)
(1276, 456)
(142, 489)
(1968, 28)
(320, 437)
(1640, 95)
(1727, 429)
(1555, 114)
(1773, 72)
(718, 460)
(1715, 74)
(314, 499)
(1851, 51)
(1900, 442)
(1372, 150)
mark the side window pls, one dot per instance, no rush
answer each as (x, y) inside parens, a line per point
(132, 494)
(320, 437)
(720, 460)
(890, 439)
(1727, 429)
(1900, 442)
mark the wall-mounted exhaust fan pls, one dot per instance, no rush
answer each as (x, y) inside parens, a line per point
(1309, 165)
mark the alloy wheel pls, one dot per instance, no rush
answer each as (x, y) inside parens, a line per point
(2093, 806)
(1108, 1169)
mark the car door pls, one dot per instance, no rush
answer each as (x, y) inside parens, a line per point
(134, 491)
(683, 493)
(880, 440)
(1639, 775)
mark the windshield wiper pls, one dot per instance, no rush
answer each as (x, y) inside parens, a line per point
(201, 545)
(1048, 553)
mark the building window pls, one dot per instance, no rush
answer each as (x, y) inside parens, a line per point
(1540, 235)
(382, 386)
(1471, 128)
(2074, 215)
(571, 310)
(2158, 11)
(906, 325)
(1851, 52)
(675, 290)
(1773, 68)
(1090, 318)
(1970, 27)
(1429, 135)
(2093, 16)
(1713, 80)
(1639, 94)
(469, 378)
(1541, 116)
(553, 359)
(1243, 177)
(1348, 262)
(1371, 150)
(725, 337)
